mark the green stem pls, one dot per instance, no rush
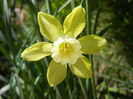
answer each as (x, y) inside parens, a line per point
(93, 77)
(88, 19)
(83, 88)
(88, 31)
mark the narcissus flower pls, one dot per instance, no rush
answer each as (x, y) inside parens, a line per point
(65, 49)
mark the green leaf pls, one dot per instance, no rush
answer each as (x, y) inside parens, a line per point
(4, 89)
(104, 30)
(64, 5)
(114, 65)
(115, 79)
(2, 78)
(7, 55)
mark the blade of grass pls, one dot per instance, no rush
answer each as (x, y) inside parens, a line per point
(63, 6)
(114, 65)
(32, 7)
(72, 4)
(67, 80)
(48, 6)
(4, 89)
(69, 91)
(115, 79)
(96, 21)
(21, 61)
(104, 30)
(107, 88)
(83, 89)
(100, 88)
(35, 3)
(37, 79)
(8, 30)
(58, 92)
(75, 89)
(7, 55)
(2, 37)
(24, 43)
(20, 87)
(2, 64)
(2, 78)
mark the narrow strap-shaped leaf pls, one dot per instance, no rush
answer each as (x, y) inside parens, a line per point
(114, 65)
(105, 29)
(32, 7)
(115, 79)
(48, 6)
(64, 5)
(4, 89)
(96, 21)
(5, 52)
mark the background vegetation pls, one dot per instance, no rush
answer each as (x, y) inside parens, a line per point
(113, 66)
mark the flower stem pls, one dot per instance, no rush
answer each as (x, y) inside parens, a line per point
(88, 31)
(93, 77)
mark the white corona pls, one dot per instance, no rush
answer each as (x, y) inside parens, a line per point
(66, 50)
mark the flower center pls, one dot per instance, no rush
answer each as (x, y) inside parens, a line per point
(66, 50)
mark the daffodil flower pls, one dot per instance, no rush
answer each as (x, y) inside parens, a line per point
(65, 50)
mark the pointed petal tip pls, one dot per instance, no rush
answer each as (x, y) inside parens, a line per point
(50, 27)
(22, 55)
(80, 6)
(51, 85)
(82, 68)
(105, 40)
(39, 13)
(56, 73)
(75, 22)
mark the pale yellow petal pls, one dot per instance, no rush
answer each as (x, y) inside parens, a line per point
(75, 22)
(92, 44)
(82, 68)
(37, 51)
(50, 27)
(56, 73)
